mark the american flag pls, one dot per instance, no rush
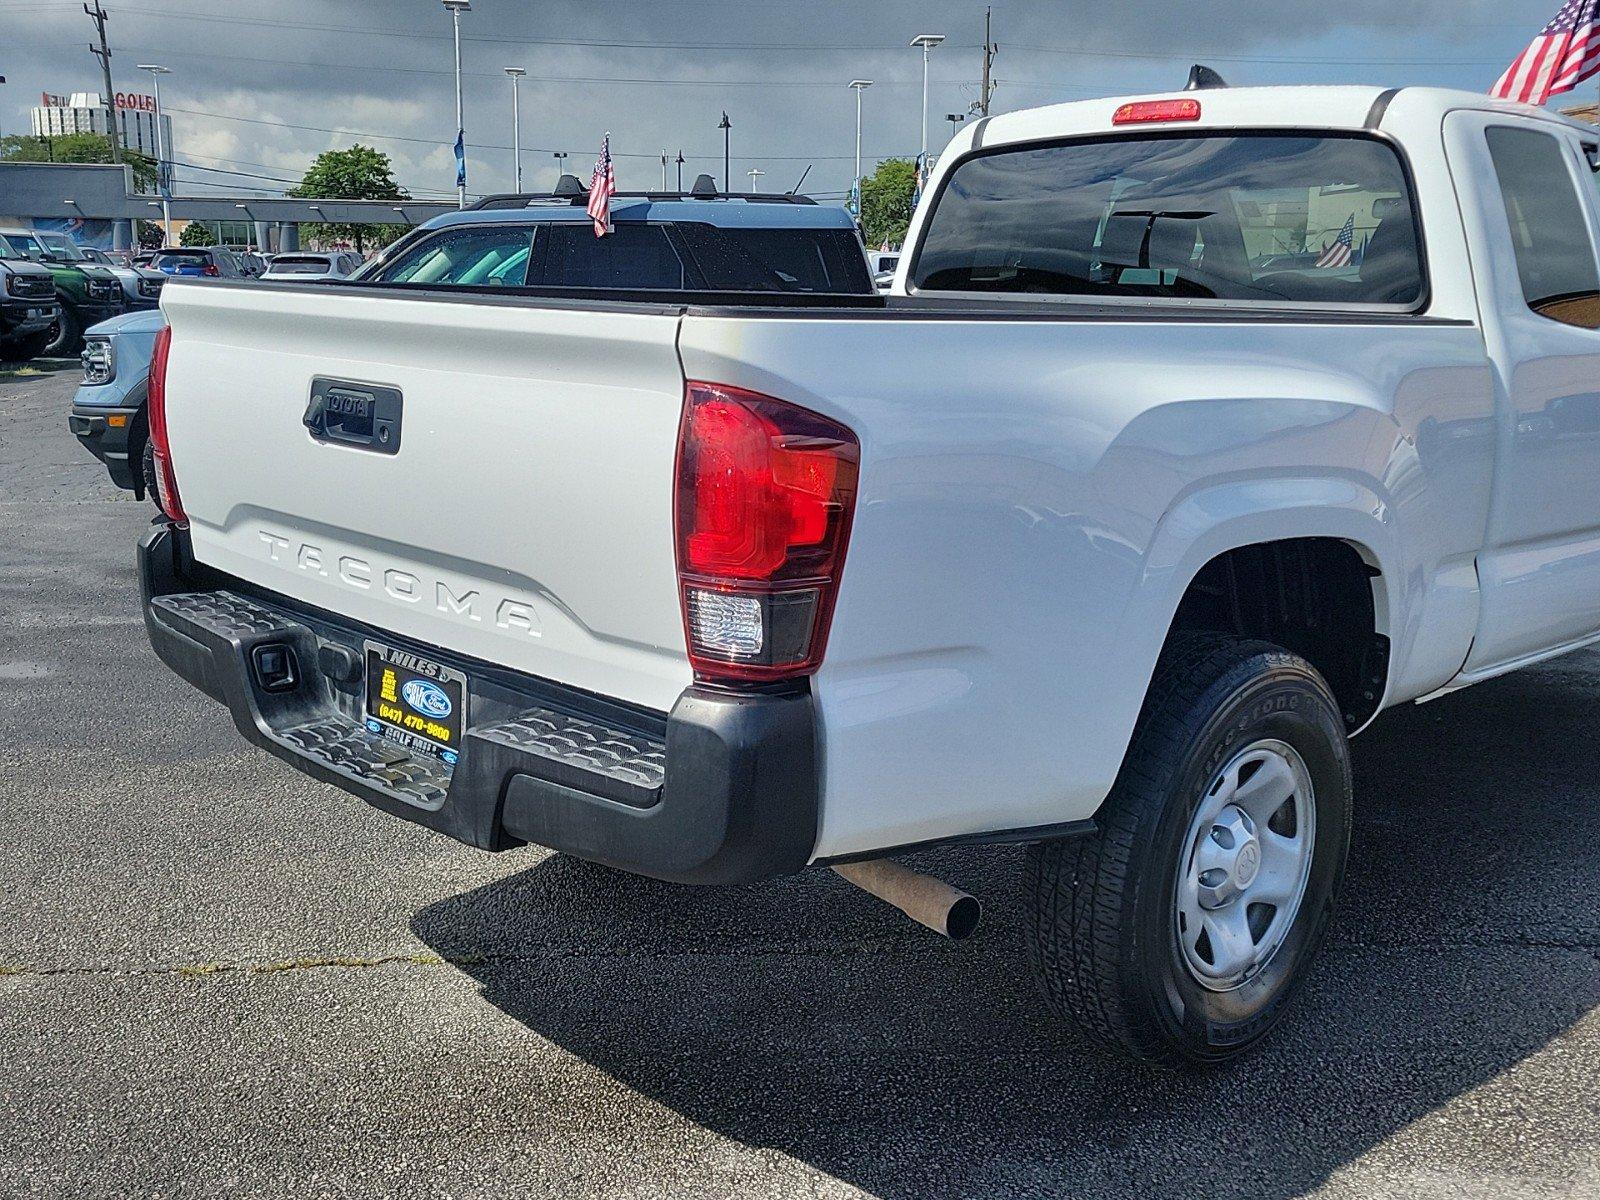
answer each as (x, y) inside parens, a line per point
(1566, 52)
(1343, 249)
(603, 186)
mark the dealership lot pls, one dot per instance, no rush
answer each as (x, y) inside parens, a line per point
(217, 976)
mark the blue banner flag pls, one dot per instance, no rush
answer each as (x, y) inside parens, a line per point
(461, 158)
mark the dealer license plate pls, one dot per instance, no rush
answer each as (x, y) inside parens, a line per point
(415, 702)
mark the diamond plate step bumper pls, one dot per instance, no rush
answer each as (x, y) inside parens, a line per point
(722, 789)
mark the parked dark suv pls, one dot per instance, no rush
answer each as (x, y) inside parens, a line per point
(87, 294)
(210, 261)
(28, 307)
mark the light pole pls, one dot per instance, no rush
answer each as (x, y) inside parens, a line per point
(755, 174)
(455, 9)
(727, 175)
(663, 170)
(516, 73)
(680, 170)
(927, 41)
(859, 86)
(163, 179)
(955, 119)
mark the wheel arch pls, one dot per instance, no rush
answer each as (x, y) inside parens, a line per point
(1329, 532)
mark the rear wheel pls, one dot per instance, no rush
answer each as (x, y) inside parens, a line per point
(1179, 930)
(66, 336)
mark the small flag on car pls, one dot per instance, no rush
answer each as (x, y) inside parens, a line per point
(1343, 249)
(1566, 52)
(602, 186)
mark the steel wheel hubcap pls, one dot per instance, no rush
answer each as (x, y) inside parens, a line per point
(1247, 858)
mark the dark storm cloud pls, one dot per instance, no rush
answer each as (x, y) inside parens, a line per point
(252, 82)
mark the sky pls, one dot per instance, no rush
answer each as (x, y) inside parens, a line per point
(258, 87)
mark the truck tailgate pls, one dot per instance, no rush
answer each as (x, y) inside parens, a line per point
(519, 511)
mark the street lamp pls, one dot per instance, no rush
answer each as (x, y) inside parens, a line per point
(680, 170)
(727, 175)
(455, 8)
(516, 73)
(163, 176)
(859, 86)
(954, 119)
(927, 41)
(755, 174)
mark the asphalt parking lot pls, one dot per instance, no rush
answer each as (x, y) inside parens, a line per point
(219, 977)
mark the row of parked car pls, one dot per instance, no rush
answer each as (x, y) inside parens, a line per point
(700, 241)
(53, 290)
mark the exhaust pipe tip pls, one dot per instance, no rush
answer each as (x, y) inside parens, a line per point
(963, 919)
(926, 900)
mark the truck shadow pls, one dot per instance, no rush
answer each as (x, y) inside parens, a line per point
(805, 1018)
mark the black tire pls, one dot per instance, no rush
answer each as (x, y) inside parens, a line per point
(65, 336)
(1103, 925)
(25, 348)
(147, 471)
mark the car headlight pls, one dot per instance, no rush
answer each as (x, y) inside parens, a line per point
(150, 287)
(99, 362)
(13, 284)
(104, 289)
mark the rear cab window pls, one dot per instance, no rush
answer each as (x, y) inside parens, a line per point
(671, 256)
(300, 265)
(1549, 228)
(1318, 219)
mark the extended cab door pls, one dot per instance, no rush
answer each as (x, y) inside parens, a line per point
(1528, 199)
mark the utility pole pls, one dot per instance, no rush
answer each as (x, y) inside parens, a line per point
(103, 52)
(989, 51)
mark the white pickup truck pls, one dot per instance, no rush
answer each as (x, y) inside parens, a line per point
(1200, 428)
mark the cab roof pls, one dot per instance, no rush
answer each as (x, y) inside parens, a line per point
(729, 212)
(1221, 108)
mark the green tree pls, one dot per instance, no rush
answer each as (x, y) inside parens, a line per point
(359, 173)
(77, 148)
(197, 233)
(886, 197)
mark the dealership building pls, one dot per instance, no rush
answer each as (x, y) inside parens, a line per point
(86, 112)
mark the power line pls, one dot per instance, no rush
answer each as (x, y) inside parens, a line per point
(1075, 51)
(206, 56)
(394, 137)
(607, 44)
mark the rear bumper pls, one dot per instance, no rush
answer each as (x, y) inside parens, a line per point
(724, 789)
(95, 427)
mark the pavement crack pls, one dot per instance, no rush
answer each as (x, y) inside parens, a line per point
(201, 970)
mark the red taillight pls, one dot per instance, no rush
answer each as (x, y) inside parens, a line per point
(765, 495)
(210, 269)
(1143, 111)
(156, 414)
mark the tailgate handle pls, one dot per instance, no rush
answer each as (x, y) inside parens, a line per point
(364, 416)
